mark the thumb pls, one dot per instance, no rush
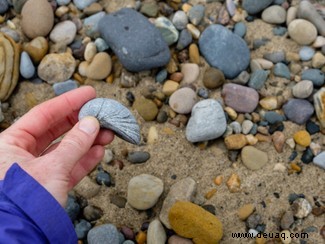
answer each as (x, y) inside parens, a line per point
(77, 142)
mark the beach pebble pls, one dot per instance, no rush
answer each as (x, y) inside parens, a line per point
(279, 31)
(144, 191)
(65, 86)
(298, 110)
(37, 18)
(258, 79)
(255, 6)
(146, 108)
(156, 233)
(64, 32)
(306, 53)
(224, 50)
(138, 157)
(285, 237)
(82, 4)
(318, 60)
(302, 138)
(183, 100)
(275, 57)
(242, 99)
(236, 127)
(180, 20)
(274, 15)
(191, 73)
(245, 211)
(106, 233)
(312, 127)
(175, 239)
(203, 92)
(194, 54)
(92, 213)
(314, 75)
(287, 220)
(207, 121)
(281, 70)
(269, 103)
(247, 125)
(253, 158)
(235, 142)
(193, 30)
(103, 178)
(3, 6)
(101, 45)
(196, 14)
(306, 10)
(273, 117)
(190, 220)
(137, 43)
(72, 208)
(82, 228)
(27, 69)
(302, 31)
(240, 29)
(291, 14)
(87, 188)
(319, 160)
(213, 78)
(319, 104)
(63, 2)
(91, 24)
(185, 39)
(301, 208)
(319, 42)
(149, 9)
(37, 48)
(170, 87)
(100, 67)
(161, 76)
(56, 67)
(167, 30)
(303, 89)
(182, 190)
(90, 51)
(278, 139)
(242, 78)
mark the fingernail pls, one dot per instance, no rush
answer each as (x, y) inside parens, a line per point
(88, 125)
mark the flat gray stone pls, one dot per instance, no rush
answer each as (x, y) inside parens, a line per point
(319, 160)
(255, 6)
(156, 233)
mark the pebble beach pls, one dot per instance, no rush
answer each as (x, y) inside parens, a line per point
(229, 98)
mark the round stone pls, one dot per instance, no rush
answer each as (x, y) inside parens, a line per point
(253, 158)
(82, 228)
(106, 233)
(240, 29)
(183, 100)
(314, 75)
(303, 89)
(64, 86)
(302, 31)
(274, 15)
(213, 78)
(156, 232)
(306, 53)
(138, 157)
(255, 6)
(281, 70)
(191, 73)
(64, 32)
(302, 138)
(100, 67)
(27, 69)
(37, 48)
(3, 6)
(185, 39)
(90, 51)
(146, 108)
(298, 110)
(180, 20)
(82, 4)
(167, 30)
(196, 14)
(144, 191)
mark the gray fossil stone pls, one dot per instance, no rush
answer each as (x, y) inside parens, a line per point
(114, 116)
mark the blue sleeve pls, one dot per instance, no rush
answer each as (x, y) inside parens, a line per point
(29, 213)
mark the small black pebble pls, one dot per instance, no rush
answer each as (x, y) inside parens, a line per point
(312, 127)
(293, 196)
(260, 228)
(278, 126)
(263, 204)
(104, 178)
(130, 97)
(307, 156)
(174, 177)
(293, 155)
(145, 226)
(276, 194)
(210, 208)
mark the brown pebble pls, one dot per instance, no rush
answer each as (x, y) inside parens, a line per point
(127, 232)
(141, 237)
(213, 78)
(322, 232)
(210, 194)
(245, 211)
(295, 167)
(235, 142)
(177, 76)
(218, 180)
(278, 139)
(260, 240)
(256, 117)
(318, 211)
(240, 118)
(233, 183)
(194, 53)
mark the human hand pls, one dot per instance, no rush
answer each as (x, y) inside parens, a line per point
(57, 167)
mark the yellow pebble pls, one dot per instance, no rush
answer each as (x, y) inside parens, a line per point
(210, 194)
(295, 167)
(260, 240)
(245, 211)
(231, 112)
(218, 180)
(186, 7)
(110, 79)
(233, 183)
(141, 237)
(302, 138)
(170, 87)
(194, 53)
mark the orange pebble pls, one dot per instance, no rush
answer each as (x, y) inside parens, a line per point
(218, 180)
(141, 237)
(210, 193)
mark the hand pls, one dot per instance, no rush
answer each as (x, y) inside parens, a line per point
(60, 166)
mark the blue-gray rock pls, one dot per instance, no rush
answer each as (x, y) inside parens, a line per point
(273, 117)
(196, 14)
(82, 229)
(137, 43)
(255, 6)
(307, 10)
(314, 75)
(138, 157)
(236, 127)
(203, 92)
(258, 79)
(63, 2)
(82, 4)
(180, 20)
(3, 6)
(298, 110)
(279, 30)
(323, 49)
(278, 2)
(101, 45)
(106, 233)
(240, 29)
(65, 86)
(114, 116)
(281, 70)
(207, 121)
(161, 76)
(91, 24)
(275, 57)
(319, 160)
(104, 178)
(27, 69)
(224, 50)
(72, 208)
(12, 33)
(306, 53)
(128, 242)
(242, 78)
(167, 30)
(257, 43)
(185, 39)
(231, 7)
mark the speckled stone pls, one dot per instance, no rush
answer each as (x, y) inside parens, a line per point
(167, 30)
(298, 110)
(183, 100)
(114, 116)
(303, 89)
(301, 208)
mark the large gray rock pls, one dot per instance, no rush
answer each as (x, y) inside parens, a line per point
(224, 50)
(255, 6)
(138, 44)
(207, 122)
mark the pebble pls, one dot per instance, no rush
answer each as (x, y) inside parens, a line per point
(87, 188)
(203, 92)
(278, 139)
(37, 48)
(269, 103)
(247, 125)
(161, 76)
(3, 6)
(281, 70)
(150, 9)
(82, 228)
(314, 75)
(63, 2)
(285, 237)
(194, 31)
(301, 208)
(291, 14)
(191, 73)
(312, 127)
(303, 89)
(138, 157)
(274, 15)
(287, 220)
(27, 69)
(235, 142)
(167, 30)
(183, 100)
(106, 233)
(255, 6)
(253, 158)
(258, 79)
(319, 42)
(307, 156)
(273, 117)
(275, 57)
(224, 50)
(213, 78)
(319, 160)
(64, 86)
(257, 43)
(302, 31)
(318, 60)
(298, 110)
(92, 213)
(180, 20)
(191, 221)
(240, 29)
(207, 121)
(236, 127)
(146, 108)
(91, 24)
(127, 233)
(279, 31)
(170, 87)
(144, 191)
(253, 221)
(101, 45)
(162, 117)
(37, 18)
(194, 54)
(306, 53)
(302, 138)
(90, 51)
(56, 67)
(64, 32)
(319, 104)
(196, 14)
(245, 211)
(72, 208)
(104, 178)
(175, 239)
(118, 201)
(182, 190)
(185, 39)
(82, 4)
(242, 78)
(242, 99)
(307, 11)
(137, 43)
(100, 67)
(156, 233)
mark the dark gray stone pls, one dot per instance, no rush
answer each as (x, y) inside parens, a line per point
(138, 157)
(72, 208)
(138, 44)
(65, 86)
(196, 14)
(258, 78)
(279, 30)
(106, 233)
(273, 117)
(224, 50)
(82, 229)
(298, 110)
(281, 70)
(275, 57)
(314, 75)
(255, 6)
(185, 39)
(3, 6)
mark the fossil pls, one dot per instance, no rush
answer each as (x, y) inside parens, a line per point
(114, 116)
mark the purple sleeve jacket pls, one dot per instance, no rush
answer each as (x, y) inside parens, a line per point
(29, 213)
